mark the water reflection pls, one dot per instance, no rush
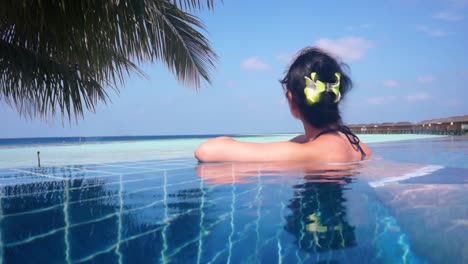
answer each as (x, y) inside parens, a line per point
(317, 212)
(318, 215)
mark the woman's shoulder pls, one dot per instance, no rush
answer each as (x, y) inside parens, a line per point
(336, 147)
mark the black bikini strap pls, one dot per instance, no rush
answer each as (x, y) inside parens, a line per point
(352, 138)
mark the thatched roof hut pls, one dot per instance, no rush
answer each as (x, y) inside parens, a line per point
(453, 119)
(457, 125)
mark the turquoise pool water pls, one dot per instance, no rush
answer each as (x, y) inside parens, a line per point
(407, 205)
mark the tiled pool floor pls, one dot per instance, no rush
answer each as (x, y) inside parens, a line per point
(176, 211)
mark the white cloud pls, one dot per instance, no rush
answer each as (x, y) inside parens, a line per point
(432, 32)
(380, 100)
(390, 83)
(447, 16)
(254, 64)
(425, 79)
(422, 96)
(348, 48)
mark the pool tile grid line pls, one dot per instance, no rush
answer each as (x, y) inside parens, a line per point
(201, 223)
(259, 215)
(138, 169)
(133, 237)
(92, 168)
(167, 222)
(194, 181)
(241, 236)
(105, 184)
(231, 244)
(34, 169)
(166, 216)
(196, 239)
(281, 230)
(111, 215)
(2, 246)
(233, 206)
(119, 221)
(251, 224)
(57, 171)
(111, 183)
(230, 215)
(59, 190)
(42, 175)
(67, 226)
(82, 187)
(255, 257)
(52, 175)
(26, 175)
(183, 160)
(137, 165)
(105, 174)
(221, 218)
(158, 229)
(96, 198)
(95, 167)
(62, 204)
(303, 227)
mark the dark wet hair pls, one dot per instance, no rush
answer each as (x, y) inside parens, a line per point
(312, 59)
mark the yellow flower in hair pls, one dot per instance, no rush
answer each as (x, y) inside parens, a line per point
(315, 87)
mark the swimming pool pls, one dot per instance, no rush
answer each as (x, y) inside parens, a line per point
(407, 205)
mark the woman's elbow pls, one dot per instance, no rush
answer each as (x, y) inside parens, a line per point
(211, 150)
(202, 152)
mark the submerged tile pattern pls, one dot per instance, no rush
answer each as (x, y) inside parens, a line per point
(162, 211)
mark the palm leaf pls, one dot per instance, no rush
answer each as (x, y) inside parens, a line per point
(62, 55)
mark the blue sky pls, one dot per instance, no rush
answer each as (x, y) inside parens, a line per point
(408, 60)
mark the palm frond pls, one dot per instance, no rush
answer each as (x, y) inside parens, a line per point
(63, 55)
(192, 4)
(182, 47)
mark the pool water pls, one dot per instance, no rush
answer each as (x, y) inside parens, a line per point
(404, 206)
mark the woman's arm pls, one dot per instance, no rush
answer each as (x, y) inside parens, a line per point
(229, 149)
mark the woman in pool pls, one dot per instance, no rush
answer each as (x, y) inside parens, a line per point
(315, 84)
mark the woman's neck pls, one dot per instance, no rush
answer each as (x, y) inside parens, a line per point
(311, 132)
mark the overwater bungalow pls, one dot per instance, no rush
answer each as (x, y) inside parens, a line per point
(457, 125)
